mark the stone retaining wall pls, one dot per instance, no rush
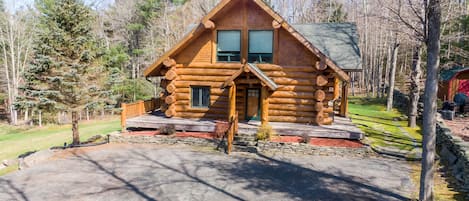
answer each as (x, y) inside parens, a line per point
(162, 139)
(262, 146)
(454, 153)
(302, 148)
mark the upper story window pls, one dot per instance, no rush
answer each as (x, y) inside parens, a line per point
(200, 96)
(229, 46)
(260, 46)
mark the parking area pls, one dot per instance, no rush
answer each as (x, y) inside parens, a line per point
(151, 172)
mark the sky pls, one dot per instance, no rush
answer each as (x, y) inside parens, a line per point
(13, 5)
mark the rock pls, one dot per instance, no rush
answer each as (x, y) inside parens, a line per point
(5, 163)
(31, 159)
(448, 156)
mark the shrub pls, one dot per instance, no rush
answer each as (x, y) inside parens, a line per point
(168, 130)
(265, 132)
(306, 139)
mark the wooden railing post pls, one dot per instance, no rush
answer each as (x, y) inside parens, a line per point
(123, 116)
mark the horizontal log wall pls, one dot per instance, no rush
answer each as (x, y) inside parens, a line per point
(304, 90)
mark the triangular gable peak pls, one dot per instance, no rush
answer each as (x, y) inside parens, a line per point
(227, 5)
(252, 68)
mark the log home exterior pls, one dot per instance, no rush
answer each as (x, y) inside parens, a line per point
(245, 59)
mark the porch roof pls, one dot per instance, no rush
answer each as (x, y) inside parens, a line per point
(250, 67)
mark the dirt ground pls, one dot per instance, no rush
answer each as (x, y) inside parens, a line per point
(150, 172)
(460, 127)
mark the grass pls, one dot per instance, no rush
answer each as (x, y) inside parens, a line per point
(443, 186)
(15, 141)
(381, 127)
(371, 116)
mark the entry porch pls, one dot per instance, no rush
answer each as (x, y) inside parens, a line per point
(341, 129)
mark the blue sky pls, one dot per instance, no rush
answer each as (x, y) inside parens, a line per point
(13, 5)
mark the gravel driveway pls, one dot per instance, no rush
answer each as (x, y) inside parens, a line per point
(150, 172)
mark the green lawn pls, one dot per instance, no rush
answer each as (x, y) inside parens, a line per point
(15, 141)
(381, 127)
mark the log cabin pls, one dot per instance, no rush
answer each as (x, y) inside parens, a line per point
(244, 59)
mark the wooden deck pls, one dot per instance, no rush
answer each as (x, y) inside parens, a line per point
(342, 128)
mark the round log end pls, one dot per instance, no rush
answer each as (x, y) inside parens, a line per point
(320, 65)
(171, 111)
(170, 99)
(171, 88)
(321, 80)
(276, 24)
(327, 121)
(209, 24)
(169, 63)
(320, 95)
(171, 75)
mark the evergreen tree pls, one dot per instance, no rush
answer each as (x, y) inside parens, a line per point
(65, 72)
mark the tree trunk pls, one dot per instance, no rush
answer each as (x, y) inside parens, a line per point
(26, 115)
(392, 74)
(75, 133)
(415, 87)
(40, 118)
(430, 104)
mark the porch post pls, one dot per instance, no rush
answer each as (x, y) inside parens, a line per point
(265, 106)
(232, 99)
(231, 116)
(344, 101)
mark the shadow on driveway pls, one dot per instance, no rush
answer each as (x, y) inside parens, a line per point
(182, 173)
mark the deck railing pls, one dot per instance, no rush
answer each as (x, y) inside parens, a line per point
(138, 108)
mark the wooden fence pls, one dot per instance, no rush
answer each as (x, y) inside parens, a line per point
(138, 108)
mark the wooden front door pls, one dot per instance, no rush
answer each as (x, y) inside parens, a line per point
(252, 104)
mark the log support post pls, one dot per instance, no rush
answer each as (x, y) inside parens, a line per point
(265, 106)
(232, 101)
(232, 118)
(344, 100)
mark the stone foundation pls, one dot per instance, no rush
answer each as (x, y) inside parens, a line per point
(302, 148)
(454, 153)
(262, 146)
(162, 139)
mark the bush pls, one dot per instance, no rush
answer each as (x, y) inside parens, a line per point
(265, 132)
(168, 130)
(306, 139)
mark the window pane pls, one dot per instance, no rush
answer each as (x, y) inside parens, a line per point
(229, 41)
(200, 96)
(260, 41)
(195, 97)
(205, 96)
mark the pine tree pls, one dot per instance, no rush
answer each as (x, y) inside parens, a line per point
(65, 71)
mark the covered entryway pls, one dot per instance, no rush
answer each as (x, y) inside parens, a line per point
(257, 87)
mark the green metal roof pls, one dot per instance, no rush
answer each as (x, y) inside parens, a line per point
(338, 41)
(448, 74)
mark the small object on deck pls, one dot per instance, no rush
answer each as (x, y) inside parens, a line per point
(447, 114)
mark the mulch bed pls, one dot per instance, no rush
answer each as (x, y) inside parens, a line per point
(323, 142)
(459, 126)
